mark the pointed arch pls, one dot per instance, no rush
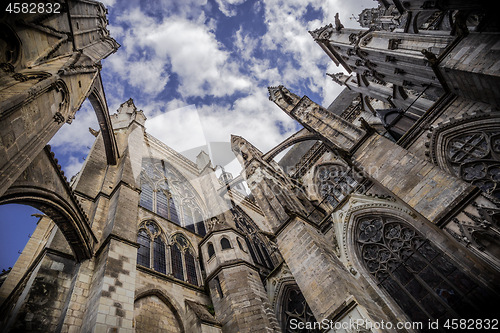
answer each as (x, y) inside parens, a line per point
(169, 194)
(166, 300)
(418, 278)
(184, 259)
(152, 246)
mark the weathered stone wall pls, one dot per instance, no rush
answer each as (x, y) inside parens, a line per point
(152, 315)
(472, 68)
(323, 280)
(243, 305)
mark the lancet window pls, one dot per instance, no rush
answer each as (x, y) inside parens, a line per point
(165, 192)
(295, 307)
(184, 266)
(179, 259)
(334, 182)
(151, 252)
(255, 242)
(420, 278)
(475, 157)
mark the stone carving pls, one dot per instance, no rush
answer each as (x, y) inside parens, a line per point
(337, 78)
(323, 33)
(469, 147)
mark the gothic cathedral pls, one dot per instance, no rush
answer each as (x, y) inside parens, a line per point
(384, 216)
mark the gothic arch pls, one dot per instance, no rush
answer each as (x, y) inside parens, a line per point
(43, 186)
(302, 135)
(98, 101)
(179, 195)
(171, 304)
(422, 281)
(469, 148)
(290, 303)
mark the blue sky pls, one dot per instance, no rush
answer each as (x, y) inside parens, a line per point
(200, 70)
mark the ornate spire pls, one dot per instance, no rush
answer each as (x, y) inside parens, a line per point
(283, 98)
(244, 150)
(337, 78)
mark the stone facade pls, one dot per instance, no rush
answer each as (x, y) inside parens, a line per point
(386, 209)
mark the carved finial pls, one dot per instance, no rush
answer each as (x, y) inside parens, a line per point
(337, 78)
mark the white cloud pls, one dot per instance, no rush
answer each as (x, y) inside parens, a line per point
(180, 129)
(73, 167)
(152, 50)
(73, 141)
(108, 3)
(76, 137)
(228, 7)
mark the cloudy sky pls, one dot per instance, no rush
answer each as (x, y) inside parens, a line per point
(200, 70)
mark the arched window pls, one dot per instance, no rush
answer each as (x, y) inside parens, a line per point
(224, 243)
(156, 197)
(211, 250)
(295, 307)
(420, 278)
(183, 256)
(191, 268)
(475, 157)
(144, 241)
(193, 221)
(334, 182)
(168, 194)
(149, 236)
(177, 269)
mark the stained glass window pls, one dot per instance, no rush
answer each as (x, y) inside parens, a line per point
(159, 256)
(296, 307)
(475, 157)
(334, 183)
(422, 280)
(177, 269)
(200, 226)
(147, 196)
(144, 247)
(147, 237)
(160, 185)
(162, 200)
(188, 219)
(253, 239)
(191, 268)
(174, 217)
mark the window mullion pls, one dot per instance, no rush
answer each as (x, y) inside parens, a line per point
(184, 270)
(168, 259)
